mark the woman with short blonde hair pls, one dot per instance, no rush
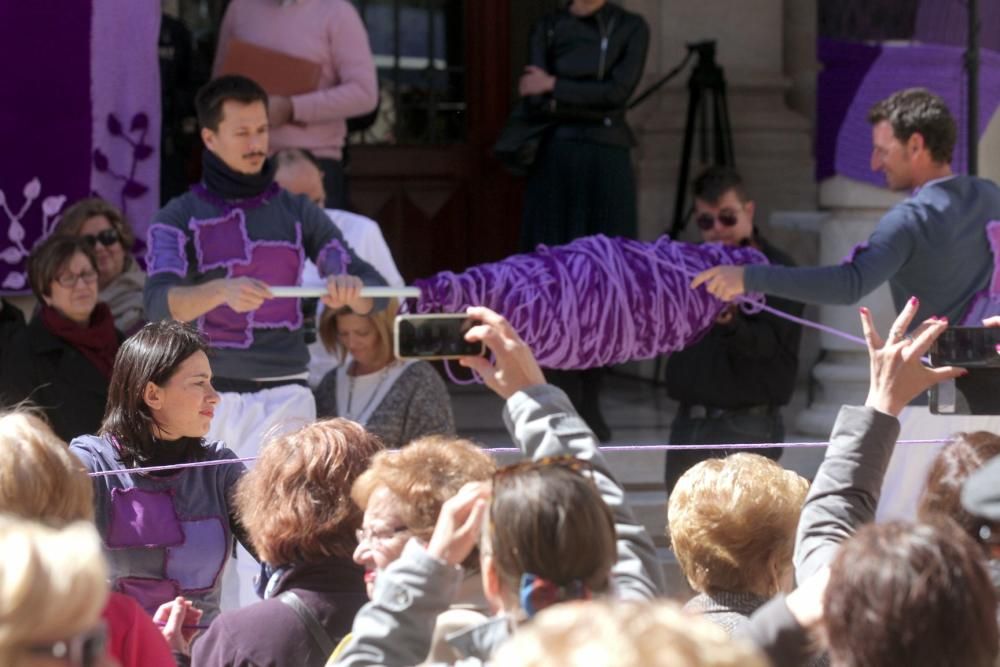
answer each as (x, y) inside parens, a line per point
(731, 523)
(399, 400)
(39, 478)
(53, 586)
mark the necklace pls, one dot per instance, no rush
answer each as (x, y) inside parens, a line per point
(351, 379)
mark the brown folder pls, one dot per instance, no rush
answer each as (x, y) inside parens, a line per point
(278, 73)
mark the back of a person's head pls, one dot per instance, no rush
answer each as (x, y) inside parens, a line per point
(731, 523)
(952, 466)
(53, 584)
(914, 594)
(39, 478)
(295, 503)
(623, 634)
(548, 520)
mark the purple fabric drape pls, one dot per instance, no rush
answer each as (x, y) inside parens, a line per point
(80, 114)
(856, 76)
(44, 123)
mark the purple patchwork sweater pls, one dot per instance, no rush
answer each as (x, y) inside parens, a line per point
(167, 535)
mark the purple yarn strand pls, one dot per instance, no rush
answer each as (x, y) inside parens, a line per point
(512, 450)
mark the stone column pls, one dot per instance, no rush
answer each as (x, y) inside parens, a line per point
(841, 376)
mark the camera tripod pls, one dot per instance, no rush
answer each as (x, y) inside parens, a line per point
(708, 118)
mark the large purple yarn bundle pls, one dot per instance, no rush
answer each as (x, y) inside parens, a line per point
(595, 301)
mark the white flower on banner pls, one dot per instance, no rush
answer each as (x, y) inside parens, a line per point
(15, 253)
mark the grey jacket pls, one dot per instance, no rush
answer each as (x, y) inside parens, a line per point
(395, 628)
(842, 498)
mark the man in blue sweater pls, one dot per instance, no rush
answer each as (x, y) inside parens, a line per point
(931, 245)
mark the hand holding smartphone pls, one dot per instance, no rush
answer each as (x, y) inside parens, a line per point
(435, 336)
(978, 392)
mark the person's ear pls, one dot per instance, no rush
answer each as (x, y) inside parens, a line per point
(152, 396)
(208, 138)
(750, 206)
(915, 144)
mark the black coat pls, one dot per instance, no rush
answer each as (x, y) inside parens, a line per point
(270, 634)
(751, 361)
(54, 376)
(597, 61)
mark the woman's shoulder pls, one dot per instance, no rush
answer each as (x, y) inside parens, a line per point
(95, 451)
(422, 372)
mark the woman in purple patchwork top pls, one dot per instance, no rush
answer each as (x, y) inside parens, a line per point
(165, 533)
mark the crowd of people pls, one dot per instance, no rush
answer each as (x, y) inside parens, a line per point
(186, 480)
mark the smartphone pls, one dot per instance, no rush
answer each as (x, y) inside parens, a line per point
(437, 336)
(978, 392)
(968, 347)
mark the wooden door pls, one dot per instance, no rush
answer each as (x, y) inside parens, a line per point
(425, 169)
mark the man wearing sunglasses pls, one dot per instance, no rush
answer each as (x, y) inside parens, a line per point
(732, 383)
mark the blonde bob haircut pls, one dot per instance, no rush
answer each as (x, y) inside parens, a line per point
(623, 634)
(39, 478)
(731, 523)
(423, 475)
(295, 503)
(53, 584)
(382, 320)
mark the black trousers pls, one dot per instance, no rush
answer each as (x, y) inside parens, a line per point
(726, 429)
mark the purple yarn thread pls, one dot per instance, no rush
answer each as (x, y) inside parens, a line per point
(595, 301)
(512, 450)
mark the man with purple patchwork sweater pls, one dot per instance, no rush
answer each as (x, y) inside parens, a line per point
(214, 252)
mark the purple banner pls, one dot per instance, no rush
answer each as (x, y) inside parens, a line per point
(856, 76)
(44, 123)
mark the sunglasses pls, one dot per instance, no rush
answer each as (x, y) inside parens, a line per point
(706, 221)
(84, 650)
(106, 237)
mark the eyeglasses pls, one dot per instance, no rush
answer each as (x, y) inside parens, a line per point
(69, 280)
(86, 649)
(376, 537)
(107, 237)
(706, 221)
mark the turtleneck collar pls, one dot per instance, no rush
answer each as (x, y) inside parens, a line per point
(222, 181)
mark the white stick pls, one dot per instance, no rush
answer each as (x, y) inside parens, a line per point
(367, 292)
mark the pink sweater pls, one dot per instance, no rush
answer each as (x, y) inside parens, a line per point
(328, 32)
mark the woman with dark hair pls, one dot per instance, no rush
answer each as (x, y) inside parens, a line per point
(62, 360)
(914, 594)
(554, 527)
(120, 278)
(296, 506)
(166, 533)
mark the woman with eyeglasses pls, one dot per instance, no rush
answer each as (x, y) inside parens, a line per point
(120, 279)
(62, 360)
(296, 506)
(401, 495)
(552, 528)
(53, 587)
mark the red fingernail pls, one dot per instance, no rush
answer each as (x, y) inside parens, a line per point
(998, 348)
(863, 310)
(914, 301)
